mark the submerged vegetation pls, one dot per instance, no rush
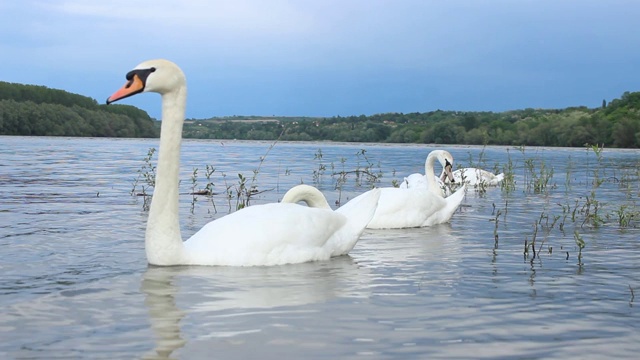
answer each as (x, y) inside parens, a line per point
(37, 110)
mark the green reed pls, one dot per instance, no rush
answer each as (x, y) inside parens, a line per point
(146, 179)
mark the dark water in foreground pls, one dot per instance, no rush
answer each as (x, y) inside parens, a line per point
(74, 282)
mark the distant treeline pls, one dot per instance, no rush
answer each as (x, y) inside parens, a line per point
(38, 110)
(614, 124)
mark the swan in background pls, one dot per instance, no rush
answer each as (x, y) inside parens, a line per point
(315, 199)
(418, 206)
(476, 176)
(418, 180)
(269, 234)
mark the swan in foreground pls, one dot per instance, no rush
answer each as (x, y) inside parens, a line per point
(269, 234)
(476, 176)
(418, 206)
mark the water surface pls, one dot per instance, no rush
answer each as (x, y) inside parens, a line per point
(75, 283)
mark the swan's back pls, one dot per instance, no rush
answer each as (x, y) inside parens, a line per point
(414, 181)
(267, 234)
(405, 208)
(419, 181)
(476, 176)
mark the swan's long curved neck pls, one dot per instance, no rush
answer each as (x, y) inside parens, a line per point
(310, 195)
(163, 241)
(429, 173)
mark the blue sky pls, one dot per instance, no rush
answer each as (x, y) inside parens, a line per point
(332, 57)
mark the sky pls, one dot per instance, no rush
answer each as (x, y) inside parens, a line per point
(332, 57)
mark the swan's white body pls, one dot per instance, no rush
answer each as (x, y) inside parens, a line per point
(417, 180)
(268, 234)
(476, 176)
(417, 206)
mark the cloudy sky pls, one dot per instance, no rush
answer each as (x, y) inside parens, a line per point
(332, 57)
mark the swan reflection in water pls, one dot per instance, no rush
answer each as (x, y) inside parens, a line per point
(227, 302)
(173, 293)
(426, 244)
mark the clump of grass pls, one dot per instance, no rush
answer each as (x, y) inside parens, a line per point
(626, 215)
(206, 191)
(243, 191)
(508, 184)
(538, 178)
(364, 174)
(146, 180)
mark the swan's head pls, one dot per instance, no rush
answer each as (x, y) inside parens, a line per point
(161, 76)
(446, 160)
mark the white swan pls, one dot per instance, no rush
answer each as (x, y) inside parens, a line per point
(417, 207)
(418, 180)
(269, 234)
(476, 176)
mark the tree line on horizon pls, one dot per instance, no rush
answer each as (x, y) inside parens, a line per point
(41, 111)
(614, 124)
(37, 110)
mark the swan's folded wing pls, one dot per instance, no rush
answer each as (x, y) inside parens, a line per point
(266, 235)
(404, 208)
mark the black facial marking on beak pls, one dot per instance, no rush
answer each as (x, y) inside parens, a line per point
(447, 164)
(136, 83)
(143, 74)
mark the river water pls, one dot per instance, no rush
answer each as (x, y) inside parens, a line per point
(74, 282)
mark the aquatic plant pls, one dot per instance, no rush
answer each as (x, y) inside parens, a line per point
(581, 244)
(369, 173)
(495, 229)
(146, 179)
(538, 178)
(508, 183)
(317, 173)
(625, 215)
(194, 184)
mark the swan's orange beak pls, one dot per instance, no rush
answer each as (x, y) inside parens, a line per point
(133, 86)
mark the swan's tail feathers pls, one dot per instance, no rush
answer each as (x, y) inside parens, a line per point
(359, 210)
(498, 178)
(454, 201)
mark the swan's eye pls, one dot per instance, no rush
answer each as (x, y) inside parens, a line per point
(447, 163)
(141, 73)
